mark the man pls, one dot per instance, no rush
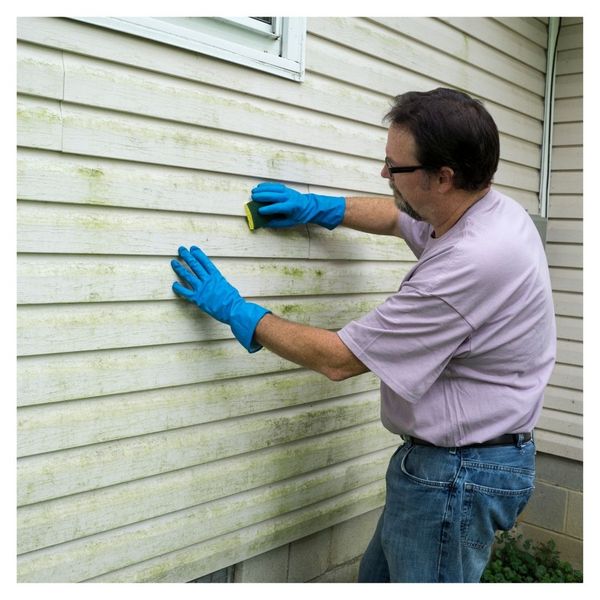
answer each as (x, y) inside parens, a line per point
(464, 349)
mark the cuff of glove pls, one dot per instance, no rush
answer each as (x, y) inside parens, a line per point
(330, 211)
(244, 325)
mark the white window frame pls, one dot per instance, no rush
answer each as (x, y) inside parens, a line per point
(276, 48)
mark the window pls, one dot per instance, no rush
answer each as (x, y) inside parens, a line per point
(272, 44)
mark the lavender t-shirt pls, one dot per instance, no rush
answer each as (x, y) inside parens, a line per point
(466, 346)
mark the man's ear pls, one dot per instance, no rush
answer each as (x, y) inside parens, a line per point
(445, 179)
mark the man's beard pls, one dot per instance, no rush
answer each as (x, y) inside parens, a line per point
(403, 205)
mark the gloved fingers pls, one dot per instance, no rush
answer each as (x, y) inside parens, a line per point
(182, 291)
(187, 277)
(270, 196)
(203, 260)
(270, 186)
(277, 208)
(281, 223)
(272, 192)
(197, 266)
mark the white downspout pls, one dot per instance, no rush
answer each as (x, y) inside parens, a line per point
(545, 167)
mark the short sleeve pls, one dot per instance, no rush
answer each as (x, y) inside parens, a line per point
(414, 233)
(408, 340)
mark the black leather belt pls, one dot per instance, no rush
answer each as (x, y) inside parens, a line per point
(507, 439)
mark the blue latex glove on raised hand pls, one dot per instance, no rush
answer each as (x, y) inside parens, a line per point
(212, 293)
(287, 207)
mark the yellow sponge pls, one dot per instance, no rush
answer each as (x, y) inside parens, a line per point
(255, 219)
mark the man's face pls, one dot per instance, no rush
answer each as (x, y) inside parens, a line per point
(402, 204)
(400, 151)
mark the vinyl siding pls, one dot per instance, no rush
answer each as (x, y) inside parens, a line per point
(151, 446)
(560, 429)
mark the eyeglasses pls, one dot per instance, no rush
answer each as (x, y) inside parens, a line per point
(391, 169)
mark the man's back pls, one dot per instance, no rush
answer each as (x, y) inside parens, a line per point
(470, 335)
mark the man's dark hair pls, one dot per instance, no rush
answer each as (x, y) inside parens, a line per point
(450, 129)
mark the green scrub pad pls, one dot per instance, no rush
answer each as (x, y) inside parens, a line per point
(255, 219)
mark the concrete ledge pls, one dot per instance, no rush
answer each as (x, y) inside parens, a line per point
(270, 567)
(328, 556)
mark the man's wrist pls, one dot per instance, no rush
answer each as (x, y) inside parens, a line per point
(243, 324)
(330, 210)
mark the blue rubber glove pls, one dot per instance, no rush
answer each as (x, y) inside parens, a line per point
(292, 208)
(212, 293)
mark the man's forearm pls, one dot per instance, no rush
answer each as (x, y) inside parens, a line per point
(317, 349)
(372, 215)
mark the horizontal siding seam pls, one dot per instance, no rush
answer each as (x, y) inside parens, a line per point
(432, 45)
(286, 412)
(284, 481)
(383, 60)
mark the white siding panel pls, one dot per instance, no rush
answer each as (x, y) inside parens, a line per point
(63, 229)
(567, 376)
(567, 134)
(566, 280)
(567, 158)
(51, 427)
(93, 83)
(570, 328)
(375, 41)
(560, 431)
(568, 109)
(565, 231)
(564, 399)
(52, 279)
(530, 28)
(567, 206)
(558, 444)
(469, 49)
(570, 352)
(560, 422)
(79, 515)
(90, 230)
(107, 134)
(571, 61)
(232, 548)
(569, 86)
(90, 557)
(39, 123)
(152, 447)
(564, 255)
(335, 61)
(568, 304)
(75, 179)
(40, 71)
(50, 329)
(571, 35)
(59, 377)
(76, 470)
(317, 93)
(66, 178)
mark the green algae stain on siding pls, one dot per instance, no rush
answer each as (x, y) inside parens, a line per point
(94, 179)
(38, 114)
(90, 173)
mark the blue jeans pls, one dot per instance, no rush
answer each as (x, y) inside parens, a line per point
(443, 507)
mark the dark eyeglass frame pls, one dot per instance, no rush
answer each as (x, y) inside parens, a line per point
(392, 170)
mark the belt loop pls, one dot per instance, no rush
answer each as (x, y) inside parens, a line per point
(519, 440)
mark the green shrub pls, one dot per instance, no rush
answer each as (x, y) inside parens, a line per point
(516, 561)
